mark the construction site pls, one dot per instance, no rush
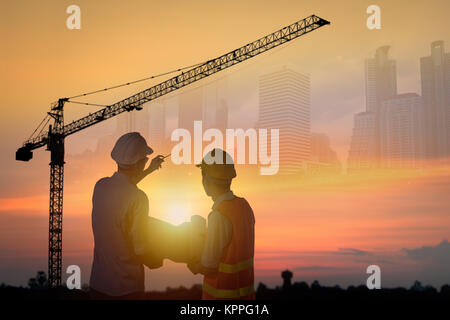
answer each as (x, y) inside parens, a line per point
(335, 140)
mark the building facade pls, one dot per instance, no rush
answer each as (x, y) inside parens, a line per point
(363, 142)
(190, 108)
(435, 80)
(380, 79)
(284, 104)
(380, 84)
(402, 131)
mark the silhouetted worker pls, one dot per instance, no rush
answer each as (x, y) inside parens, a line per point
(119, 223)
(227, 258)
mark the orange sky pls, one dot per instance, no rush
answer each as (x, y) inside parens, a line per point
(305, 222)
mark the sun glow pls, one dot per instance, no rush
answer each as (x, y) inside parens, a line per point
(178, 213)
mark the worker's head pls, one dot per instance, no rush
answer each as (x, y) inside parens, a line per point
(130, 153)
(217, 172)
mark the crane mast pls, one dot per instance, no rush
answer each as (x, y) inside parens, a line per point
(56, 147)
(56, 134)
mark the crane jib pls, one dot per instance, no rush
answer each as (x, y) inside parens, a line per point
(206, 69)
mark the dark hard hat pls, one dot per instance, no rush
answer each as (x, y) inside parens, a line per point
(218, 165)
(129, 149)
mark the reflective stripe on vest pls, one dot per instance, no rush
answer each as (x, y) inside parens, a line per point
(228, 293)
(233, 268)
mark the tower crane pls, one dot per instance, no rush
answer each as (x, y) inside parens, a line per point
(54, 138)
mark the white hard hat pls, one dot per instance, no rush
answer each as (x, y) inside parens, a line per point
(129, 149)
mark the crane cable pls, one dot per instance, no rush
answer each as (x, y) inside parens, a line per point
(126, 84)
(39, 126)
(88, 104)
(135, 81)
(47, 117)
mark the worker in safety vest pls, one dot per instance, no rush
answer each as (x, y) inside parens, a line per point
(125, 237)
(227, 258)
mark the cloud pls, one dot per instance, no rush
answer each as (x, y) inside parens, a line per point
(433, 262)
(375, 261)
(314, 268)
(351, 252)
(439, 254)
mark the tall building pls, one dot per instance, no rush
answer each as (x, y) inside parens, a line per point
(221, 116)
(126, 122)
(381, 79)
(284, 104)
(156, 126)
(216, 108)
(363, 142)
(380, 83)
(402, 131)
(435, 78)
(190, 104)
(323, 158)
(321, 150)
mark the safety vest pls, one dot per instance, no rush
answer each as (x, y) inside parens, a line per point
(235, 276)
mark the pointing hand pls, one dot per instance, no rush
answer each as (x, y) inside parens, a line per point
(156, 163)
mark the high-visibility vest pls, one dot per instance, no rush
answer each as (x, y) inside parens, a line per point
(235, 277)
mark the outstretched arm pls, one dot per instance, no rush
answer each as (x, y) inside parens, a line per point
(153, 166)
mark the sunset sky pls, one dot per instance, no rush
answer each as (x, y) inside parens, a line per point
(325, 228)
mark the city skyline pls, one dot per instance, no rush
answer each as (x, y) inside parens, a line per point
(322, 227)
(407, 126)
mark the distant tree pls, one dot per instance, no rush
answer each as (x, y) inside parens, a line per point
(41, 279)
(32, 283)
(362, 287)
(261, 287)
(445, 289)
(315, 285)
(417, 286)
(430, 289)
(301, 286)
(39, 282)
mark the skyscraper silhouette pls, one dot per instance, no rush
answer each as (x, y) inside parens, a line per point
(321, 149)
(157, 125)
(435, 78)
(363, 142)
(402, 131)
(126, 122)
(191, 108)
(221, 121)
(380, 83)
(284, 104)
(381, 79)
(216, 107)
